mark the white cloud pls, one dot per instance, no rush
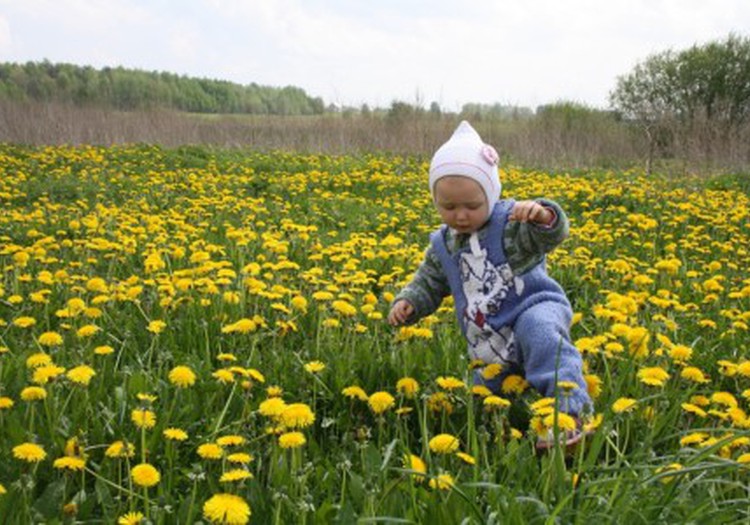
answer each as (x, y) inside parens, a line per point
(5, 37)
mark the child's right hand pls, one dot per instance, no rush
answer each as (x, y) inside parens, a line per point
(400, 312)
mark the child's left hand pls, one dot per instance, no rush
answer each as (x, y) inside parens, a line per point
(531, 211)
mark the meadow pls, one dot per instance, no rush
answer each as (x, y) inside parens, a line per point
(196, 334)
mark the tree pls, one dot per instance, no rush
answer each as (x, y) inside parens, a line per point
(673, 92)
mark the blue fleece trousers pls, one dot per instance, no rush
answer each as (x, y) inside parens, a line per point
(542, 335)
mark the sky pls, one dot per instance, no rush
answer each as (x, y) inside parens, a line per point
(514, 52)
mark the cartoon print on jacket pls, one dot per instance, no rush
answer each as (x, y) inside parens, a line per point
(486, 287)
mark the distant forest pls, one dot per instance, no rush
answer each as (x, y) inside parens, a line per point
(132, 89)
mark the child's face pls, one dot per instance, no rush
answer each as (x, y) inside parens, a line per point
(461, 203)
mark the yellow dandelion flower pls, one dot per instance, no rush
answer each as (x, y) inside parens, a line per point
(33, 393)
(407, 387)
(143, 418)
(272, 407)
(495, 403)
(119, 449)
(380, 402)
(315, 367)
(696, 438)
(223, 376)
(692, 373)
(104, 350)
(237, 474)
(681, 353)
(466, 458)
(274, 391)
(29, 452)
(38, 359)
(226, 509)
(297, 415)
(292, 440)
(563, 421)
(694, 409)
(624, 404)
(354, 392)
(69, 463)
(416, 464)
(156, 326)
(514, 384)
(145, 475)
(6, 403)
(87, 331)
(442, 482)
(673, 467)
(50, 339)
(210, 451)
(231, 441)
(724, 398)
(439, 402)
(344, 308)
(43, 374)
(131, 518)
(24, 322)
(444, 444)
(182, 376)
(653, 376)
(240, 457)
(491, 371)
(175, 434)
(481, 391)
(450, 383)
(81, 375)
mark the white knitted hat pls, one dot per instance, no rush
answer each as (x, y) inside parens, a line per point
(466, 155)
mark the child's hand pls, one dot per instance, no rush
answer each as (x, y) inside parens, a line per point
(531, 211)
(400, 312)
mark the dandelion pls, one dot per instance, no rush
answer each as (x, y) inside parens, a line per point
(81, 375)
(379, 402)
(231, 441)
(69, 463)
(156, 326)
(344, 308)
(6, 403)
(24, 322)
(491, 371)
(120, 449)
(593, 385)
(514, 384)
(653, 376)
(416, 464)
(491, 403)
(223, 376)
(696, 438)
(450, 383)
(145, 475)
(43, 374)
(297, 415)
(104, 350)
(182, 376)
(240, 457)
(624, 404)
(210, 451)
(680, 353)
(561, 419)
(87, 331)
(439, 402)
(407, 386)
(50, 339)
(481, 391)
(175, 434)
(442, 482)
(466, 458)
(143, 418)
(292, 440)
(131, 518)
(314, 367)
(673, 467)
(272, 407)
(226, 509)
(235, 475)
(33, 393)
(444, 444)
(694, 409)
(29, 452)
(693, 374)
(38, 359)
(354, 392)
(724, 398)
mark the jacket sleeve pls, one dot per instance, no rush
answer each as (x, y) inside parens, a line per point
(526, 244)
(427, 288)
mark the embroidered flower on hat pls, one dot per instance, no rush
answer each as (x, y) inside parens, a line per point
(490, 154)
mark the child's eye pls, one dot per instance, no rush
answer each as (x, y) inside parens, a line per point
(474, 206)
(448, 206)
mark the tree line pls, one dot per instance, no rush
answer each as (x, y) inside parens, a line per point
(132, 89)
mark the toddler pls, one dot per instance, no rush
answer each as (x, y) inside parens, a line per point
(490, 255)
